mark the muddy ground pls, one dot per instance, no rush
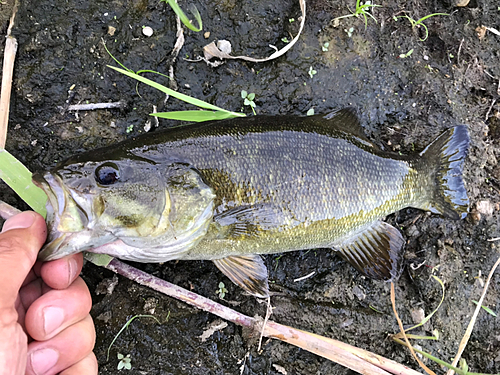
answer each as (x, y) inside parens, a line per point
(404, 101)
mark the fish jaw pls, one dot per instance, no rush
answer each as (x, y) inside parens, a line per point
(69, 220)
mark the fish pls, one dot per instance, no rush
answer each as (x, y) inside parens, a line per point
(232, 190)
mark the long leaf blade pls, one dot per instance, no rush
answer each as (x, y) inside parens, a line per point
(193, 116)
(175, 94)
(18, 177)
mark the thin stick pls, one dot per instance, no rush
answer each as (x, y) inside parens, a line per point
(94, 106)
(9, 59)
(347, 355)
(470, 327)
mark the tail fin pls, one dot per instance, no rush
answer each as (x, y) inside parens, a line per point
(444, 159)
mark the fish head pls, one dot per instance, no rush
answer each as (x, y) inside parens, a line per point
(138, 202)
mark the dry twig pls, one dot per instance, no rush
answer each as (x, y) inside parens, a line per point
(9, 58)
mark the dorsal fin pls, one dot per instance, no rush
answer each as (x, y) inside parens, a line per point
(247, 271)
(376, 252)
(346, 120)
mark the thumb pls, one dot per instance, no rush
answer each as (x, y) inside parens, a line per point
(21, 238)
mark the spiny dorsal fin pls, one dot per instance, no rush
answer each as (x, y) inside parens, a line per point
(247, 271)
(346, 120)
(376, 252)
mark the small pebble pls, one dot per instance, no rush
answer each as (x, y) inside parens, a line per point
(358, 292)
(485, 208)
(111, 30)
(417, 315)
(147, 31)
(207, 35)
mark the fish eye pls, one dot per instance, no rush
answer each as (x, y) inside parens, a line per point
(107, 174)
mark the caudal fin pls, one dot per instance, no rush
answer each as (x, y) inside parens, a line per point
(444, 160)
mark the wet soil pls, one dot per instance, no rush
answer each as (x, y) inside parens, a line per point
(404, 100)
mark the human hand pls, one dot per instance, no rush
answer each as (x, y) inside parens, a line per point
(45, 326)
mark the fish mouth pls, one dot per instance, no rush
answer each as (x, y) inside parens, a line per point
(66, 219)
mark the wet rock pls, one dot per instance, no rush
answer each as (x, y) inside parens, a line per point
(358, 292)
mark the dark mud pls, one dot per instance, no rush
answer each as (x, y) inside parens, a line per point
(404, 102)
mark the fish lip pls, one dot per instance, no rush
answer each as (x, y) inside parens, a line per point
(58, 196)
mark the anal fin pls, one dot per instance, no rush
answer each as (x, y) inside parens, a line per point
(247, 271)
(376, 252)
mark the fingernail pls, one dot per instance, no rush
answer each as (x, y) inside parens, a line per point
(43, 360)
(73, 269)
(22, 220)
(53, 317)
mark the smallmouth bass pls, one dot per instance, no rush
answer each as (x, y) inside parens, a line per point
(230, 190)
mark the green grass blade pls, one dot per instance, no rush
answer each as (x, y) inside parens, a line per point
(419, 22)
(184, 19)
(18, 177)
(486, 308)
(193, 116)
(175, 94)
(459, 371)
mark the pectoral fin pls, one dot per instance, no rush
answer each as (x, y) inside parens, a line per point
(376, 252)
(250, 221)
(249, 272)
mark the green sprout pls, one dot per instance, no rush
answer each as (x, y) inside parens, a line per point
(291, 20)
(420, 22)
(125, 361)
(285, 40)
(349, 32)
(125, 326)
(248, 99)
(407, 54)
(311, 72)
(129, 129)
(325, 46)
(222, 290)
(361, 10)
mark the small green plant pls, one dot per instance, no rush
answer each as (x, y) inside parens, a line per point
(125, 361)
(222, 290)
(291, 20)
(420, 22)
(129, 129)
(311, 72)
(125, 326)
(350, 31)
(325, 46)
(407, 54)
(285, 40)
(248, 99)
(362, 9)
